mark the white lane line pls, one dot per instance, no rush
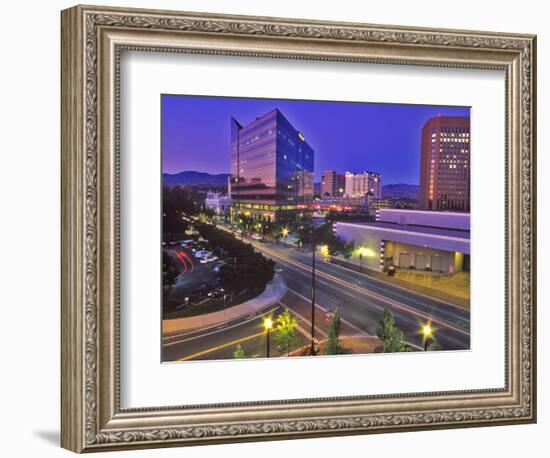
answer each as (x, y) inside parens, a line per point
(351, 325)
(365, 291)
(411, 344)
(307, 334)
(410, 291)
(240, 323)
(381, 282)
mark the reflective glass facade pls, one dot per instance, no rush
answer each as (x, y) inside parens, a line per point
(271, 165)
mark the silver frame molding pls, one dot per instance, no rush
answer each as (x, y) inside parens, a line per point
(92, 40)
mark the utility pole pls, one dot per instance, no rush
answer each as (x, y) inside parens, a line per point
(313, 351)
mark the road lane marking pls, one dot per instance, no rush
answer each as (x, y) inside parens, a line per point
(364, 333)
(218, 329)
(320, 331)
(366, 292)
(402, 288)
(210, 350)
(326, 310)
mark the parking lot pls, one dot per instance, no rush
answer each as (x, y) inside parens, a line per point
(197, 289)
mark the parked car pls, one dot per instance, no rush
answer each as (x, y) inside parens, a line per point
(208, 259)
(202, 254)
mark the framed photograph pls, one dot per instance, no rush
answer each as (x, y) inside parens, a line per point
(279, 228)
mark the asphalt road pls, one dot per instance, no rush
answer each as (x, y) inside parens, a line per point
(192, 274)
(220, 342)
(360, 298)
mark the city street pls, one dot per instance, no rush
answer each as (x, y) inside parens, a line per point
(360, 298)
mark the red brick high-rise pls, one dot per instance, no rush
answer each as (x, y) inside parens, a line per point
(445, 164)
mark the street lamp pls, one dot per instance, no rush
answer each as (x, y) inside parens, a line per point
(223, 292)
(268, 324)
(427, 333)
(362, 251)
(285, 232)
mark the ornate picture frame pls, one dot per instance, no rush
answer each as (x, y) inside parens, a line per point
(92, 41)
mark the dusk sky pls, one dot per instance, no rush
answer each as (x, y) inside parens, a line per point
(345, 136)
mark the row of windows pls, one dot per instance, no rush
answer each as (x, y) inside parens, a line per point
(454, 130)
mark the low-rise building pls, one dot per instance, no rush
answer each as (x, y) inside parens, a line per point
(219, 203)
(411, 239)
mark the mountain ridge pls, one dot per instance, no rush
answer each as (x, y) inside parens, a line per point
(192, 177)
(401, 190)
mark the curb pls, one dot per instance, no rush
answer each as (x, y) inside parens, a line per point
(273, 293)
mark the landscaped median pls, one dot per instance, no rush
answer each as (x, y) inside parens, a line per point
(355, 344)
(273, 293)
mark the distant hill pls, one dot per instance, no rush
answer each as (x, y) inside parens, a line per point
(401, 190)
(190, 177)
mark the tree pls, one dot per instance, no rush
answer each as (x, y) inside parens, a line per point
(250, 270)
(389, 333)
(285, 333)
(332, 347)
(239, 352)
(169, 272)
(347, 249)
(335, 245)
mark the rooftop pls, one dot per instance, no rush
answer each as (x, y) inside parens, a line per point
(408, 228)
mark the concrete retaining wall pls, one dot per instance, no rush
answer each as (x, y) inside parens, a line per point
(273, 293)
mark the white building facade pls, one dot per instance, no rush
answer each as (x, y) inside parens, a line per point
(217, 202)
(359, 184)
(411, 239)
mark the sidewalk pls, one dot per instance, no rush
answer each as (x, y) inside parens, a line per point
(441, 293)
(355, 344)
(273, 293)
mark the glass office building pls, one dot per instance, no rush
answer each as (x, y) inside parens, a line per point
(271, 166)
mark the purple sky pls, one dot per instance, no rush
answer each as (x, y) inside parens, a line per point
(345, 136)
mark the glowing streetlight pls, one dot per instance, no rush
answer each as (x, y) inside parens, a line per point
(324, 251)
(285, 232)
(362, 251)
(268, 324)
(427, 334)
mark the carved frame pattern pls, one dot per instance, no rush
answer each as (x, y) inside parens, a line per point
(82, 402)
